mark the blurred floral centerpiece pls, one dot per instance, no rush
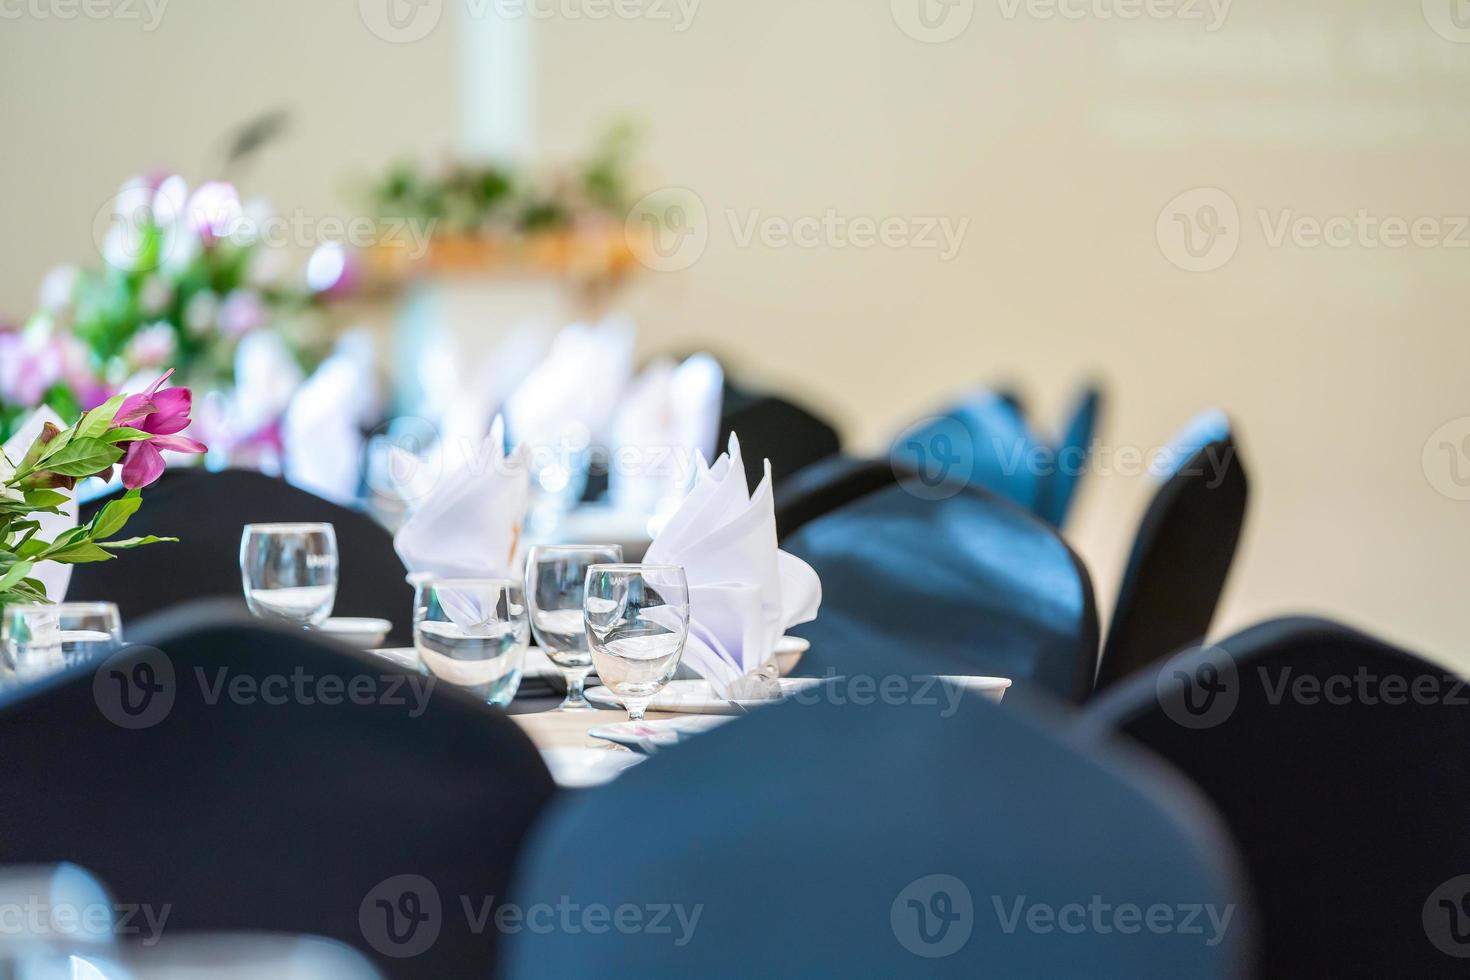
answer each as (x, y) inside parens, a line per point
(188, 283)
(35, 489)
(488, 218)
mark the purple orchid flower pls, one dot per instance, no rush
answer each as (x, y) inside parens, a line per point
(162, 414)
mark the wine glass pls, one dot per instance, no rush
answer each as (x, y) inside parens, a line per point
(40, 639)
(289, 571)
(473, 633)
(637, 620)
(556, 582)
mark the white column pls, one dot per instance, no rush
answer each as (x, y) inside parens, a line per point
(495, 80)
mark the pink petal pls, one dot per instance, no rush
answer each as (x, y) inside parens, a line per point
(170, 411)
(142, 466)
(178, 444)
(134, 407)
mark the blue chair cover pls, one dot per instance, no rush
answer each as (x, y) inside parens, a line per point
(1059, 484)
(967, 584)
(984, 441)
(890, 840)
(1339, 766)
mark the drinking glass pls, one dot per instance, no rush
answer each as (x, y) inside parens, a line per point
(40, 639)
(556, 583)
(289, 571)
(473, 633)
(637, 620)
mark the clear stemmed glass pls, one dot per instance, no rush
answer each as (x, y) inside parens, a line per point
(637, 620)
(289, 571)
(473, 633)
(40, 639)
(556, 583)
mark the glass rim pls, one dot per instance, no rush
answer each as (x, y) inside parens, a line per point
(80, 606)
(635, 567)
(443, 580)
(609, 546)
(277, 527)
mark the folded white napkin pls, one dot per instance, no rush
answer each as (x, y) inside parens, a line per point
(468, 522)
(54, 575)
(572, 394)
(669, 418)
(322, 427)
(744, 592)
(476, 399)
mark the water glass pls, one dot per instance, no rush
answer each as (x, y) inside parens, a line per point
(556, 583)
(42, 639)
(637, 619)
(473, 633)
(289, 571)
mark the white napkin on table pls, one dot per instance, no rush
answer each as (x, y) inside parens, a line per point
(54, 575)
(322, 427)
(573, 393)
(468, 524)
(669, 419)
(744, 592)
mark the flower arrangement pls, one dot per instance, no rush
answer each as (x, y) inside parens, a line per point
(482, 215)
(133, 430)
(185, 278)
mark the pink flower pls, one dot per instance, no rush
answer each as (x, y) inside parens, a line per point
(241, 312)
(30, 363)
(162, 414)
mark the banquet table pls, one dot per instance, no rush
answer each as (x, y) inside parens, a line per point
(552, 729)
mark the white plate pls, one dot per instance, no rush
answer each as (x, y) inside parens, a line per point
(990, 688)
(364, 634)
(697, 697)
(649, 736)
(404, 657)
(789, 650)
(579, 768)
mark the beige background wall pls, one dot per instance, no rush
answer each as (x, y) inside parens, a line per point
(1060, 141)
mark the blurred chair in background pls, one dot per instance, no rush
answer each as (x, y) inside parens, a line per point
(1182, 553)
(1338, 763)
(773, 428)
(827, 840)
(1058, 488)
(207, 512)
(964, 584)
(259, 779)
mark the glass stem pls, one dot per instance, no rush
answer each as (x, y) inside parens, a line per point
(576, 686)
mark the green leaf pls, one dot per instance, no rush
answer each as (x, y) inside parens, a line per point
(111, 518)
(126, 543)
(78, 554)
(84, 457)
(14, 574)
(94, 424)
(125, 434)
(43, 499)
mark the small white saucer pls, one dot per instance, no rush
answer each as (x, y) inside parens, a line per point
(362, 633)
(580, 768)
(649, 736)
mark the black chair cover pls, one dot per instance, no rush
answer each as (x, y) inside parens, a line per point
(773, 428)
(1347, 793)
(1181, 556)
(967, 584)
(905, 838)
(206, 512)
(201, 778)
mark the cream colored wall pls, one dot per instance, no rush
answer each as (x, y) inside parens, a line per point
(1061, 142)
